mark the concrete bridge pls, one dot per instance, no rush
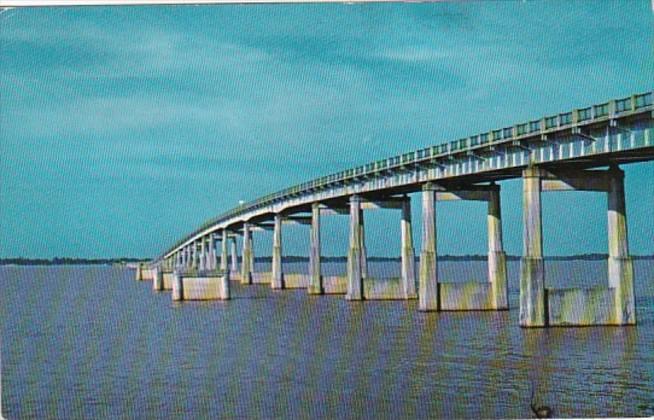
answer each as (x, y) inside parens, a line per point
(579, 150)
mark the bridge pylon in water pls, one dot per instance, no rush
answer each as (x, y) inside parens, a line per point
(613, 304)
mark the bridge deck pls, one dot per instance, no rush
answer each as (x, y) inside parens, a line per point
(618, 131)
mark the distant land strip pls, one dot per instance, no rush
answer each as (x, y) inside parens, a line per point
(290, 259)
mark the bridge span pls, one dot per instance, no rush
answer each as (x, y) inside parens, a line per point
(579, 150)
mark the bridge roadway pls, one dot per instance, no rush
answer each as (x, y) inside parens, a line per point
(563, 152)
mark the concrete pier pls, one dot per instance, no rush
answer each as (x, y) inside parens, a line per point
(167, 280)
(612, 304)
(196, 254)
(428, 296)
(202, 256)
(277, 281)
(139, 272)
(364, 250)
(296, 281)
(335, 285)
(212, 255)
(178, 286)
(408, 254)
(157, 278)
(224, 292)
(532, 277)
(261, 277)
(383, 288)
(223, 252)
(620, 265)
(354, 257)
(143, 272)
(247, 255)
(234, 273)
(496, 256)
(491, 294)
(194, 286)
(315, 274)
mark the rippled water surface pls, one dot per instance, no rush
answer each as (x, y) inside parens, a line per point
(92, 342)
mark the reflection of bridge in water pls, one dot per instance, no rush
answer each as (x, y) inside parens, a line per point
(557, 153)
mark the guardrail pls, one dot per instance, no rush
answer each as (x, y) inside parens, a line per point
(581, 116)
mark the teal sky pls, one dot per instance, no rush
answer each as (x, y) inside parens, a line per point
(122, 129)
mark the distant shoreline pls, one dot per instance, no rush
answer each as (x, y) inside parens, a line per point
(291, 259)
(71, 261)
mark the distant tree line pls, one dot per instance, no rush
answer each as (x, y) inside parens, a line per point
(69, 261)
(291, 258)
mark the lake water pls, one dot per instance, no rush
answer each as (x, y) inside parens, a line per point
(91, 342)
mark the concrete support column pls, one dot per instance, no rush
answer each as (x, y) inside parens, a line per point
(211, 258)
(620, 265)
(225, 293)
(139, 271)
(252, 268)
(496, 255)
(408, 254)
(225, 288)
(178, 291)
(202, 257)
(428, 296)
(533, 307)
(246, 262)
(194, 255)
(354, 256)
(157, 278)
(211, 252)
(364, 251)
(277, 281)
(315, 275)
(223, 252)
(216, 247)
(234, 256)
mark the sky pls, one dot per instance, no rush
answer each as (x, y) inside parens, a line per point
(124, 128)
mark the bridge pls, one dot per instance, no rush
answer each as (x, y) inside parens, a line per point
(578, 150)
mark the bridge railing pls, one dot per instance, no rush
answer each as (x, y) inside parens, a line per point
(521, 131)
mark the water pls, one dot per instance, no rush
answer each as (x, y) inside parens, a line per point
(92, 342)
